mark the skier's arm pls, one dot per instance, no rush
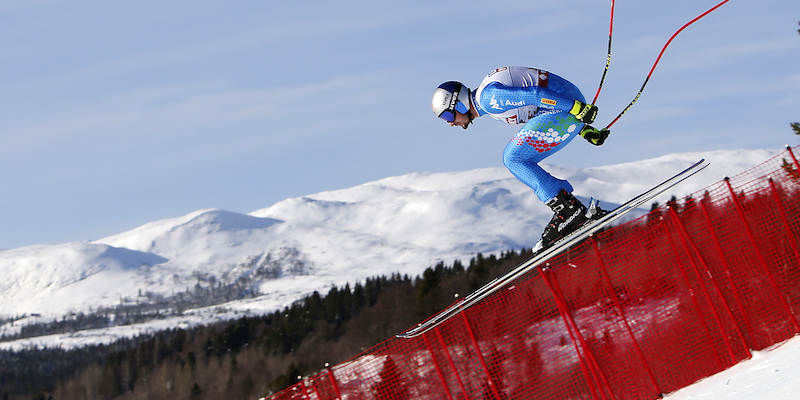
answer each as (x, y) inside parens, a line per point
(498, 98)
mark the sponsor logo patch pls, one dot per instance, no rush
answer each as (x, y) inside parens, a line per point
(494, 104)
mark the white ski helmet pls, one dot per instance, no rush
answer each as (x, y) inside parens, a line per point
(448, 98)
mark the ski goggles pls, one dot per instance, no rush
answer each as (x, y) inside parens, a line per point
(449, 113)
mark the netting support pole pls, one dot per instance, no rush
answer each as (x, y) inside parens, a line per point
(489, 379)
(791, 153)
(785, 221)
(676, 254)
(589, 368)
(437, 367)
(761, 259)
(607, 278)
(450, 361)
(689, 244)
(316, 391)
(334, 384)
(732, 282)
(306, 395)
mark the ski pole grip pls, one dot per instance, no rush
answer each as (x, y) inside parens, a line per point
(584, 112)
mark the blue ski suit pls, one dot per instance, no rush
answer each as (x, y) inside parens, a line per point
(541, 101)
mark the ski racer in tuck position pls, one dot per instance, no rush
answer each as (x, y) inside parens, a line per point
(552, 112)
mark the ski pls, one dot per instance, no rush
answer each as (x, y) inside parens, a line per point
(586, 230)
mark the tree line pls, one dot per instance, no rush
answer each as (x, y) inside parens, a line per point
(251, 356)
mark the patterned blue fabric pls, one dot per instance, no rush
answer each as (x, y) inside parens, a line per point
(497, 98)
(549, 129)
(541, 137)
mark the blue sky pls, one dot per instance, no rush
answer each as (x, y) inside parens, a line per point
(115, 114)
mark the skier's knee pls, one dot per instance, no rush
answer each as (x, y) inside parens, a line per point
(507, 162)
(511, 160)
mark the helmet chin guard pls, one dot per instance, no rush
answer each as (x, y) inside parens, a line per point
(448, 98)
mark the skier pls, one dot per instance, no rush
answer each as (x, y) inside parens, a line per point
(552, 111)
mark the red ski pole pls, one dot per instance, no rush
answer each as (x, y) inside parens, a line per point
(659, 58)
(608, 58)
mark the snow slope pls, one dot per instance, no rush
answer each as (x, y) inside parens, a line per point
(772, 374)
(400, 224)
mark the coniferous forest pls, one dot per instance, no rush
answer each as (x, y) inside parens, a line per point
(252, 356)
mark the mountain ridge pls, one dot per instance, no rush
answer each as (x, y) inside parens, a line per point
(400, 224)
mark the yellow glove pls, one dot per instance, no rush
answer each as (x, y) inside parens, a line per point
(593, 136)
(585, 113)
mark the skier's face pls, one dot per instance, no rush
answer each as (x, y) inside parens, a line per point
(461, 120)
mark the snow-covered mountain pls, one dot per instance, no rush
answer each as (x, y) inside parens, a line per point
(280, 253)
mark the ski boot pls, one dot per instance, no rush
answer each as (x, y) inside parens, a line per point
(569, 215)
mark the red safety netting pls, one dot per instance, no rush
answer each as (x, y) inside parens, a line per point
(638, 310)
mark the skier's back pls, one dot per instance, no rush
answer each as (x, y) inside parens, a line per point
(552, 111)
